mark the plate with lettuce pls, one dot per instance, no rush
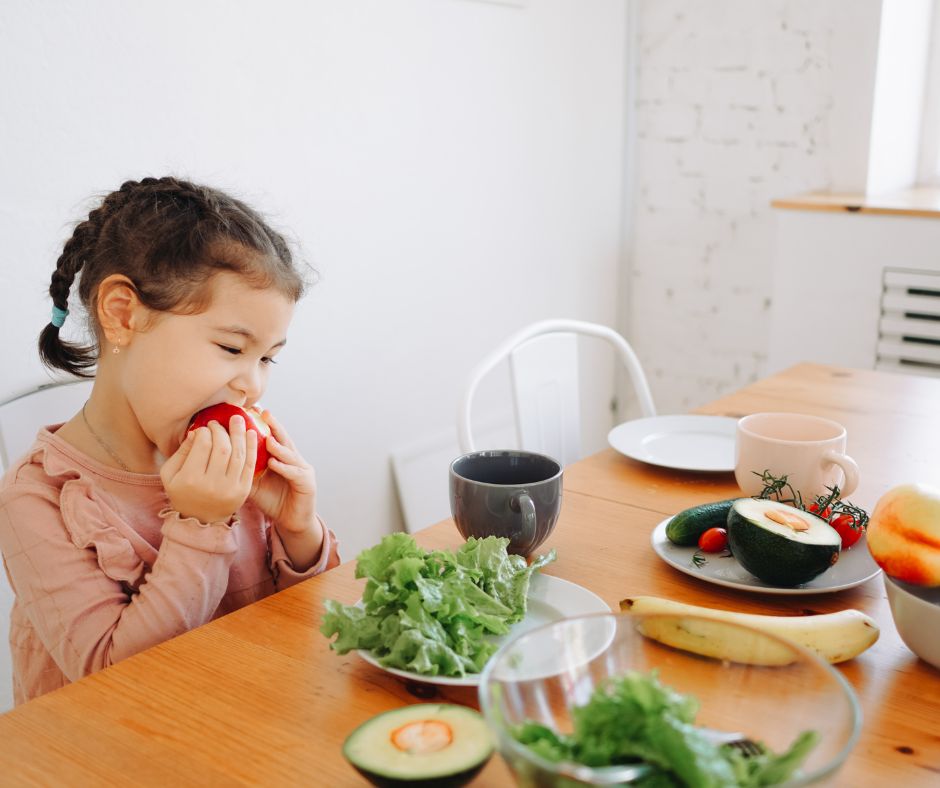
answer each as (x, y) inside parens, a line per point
(437, 616)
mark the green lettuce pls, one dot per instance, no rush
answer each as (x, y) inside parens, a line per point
(433, 612)
(635, 718)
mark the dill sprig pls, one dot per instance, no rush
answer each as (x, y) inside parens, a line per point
(775, 487)
(699, 560)
(826, 506)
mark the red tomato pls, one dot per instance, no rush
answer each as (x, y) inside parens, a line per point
(814, 508)
(222, 412)
(847, 529)
(714, 540)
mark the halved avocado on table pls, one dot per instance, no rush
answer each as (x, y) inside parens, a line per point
(779, 544)
(432, 745)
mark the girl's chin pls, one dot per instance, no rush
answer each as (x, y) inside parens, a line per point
(168, 448)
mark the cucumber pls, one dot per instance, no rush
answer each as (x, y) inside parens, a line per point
(686, 527)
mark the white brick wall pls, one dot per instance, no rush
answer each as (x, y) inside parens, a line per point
(734, 102)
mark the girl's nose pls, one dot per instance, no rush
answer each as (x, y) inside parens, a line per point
(249, 384)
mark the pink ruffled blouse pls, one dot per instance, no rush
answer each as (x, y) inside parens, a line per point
(102, 567)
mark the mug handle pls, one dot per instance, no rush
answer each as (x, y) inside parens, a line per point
(849, 468)
(522, 502)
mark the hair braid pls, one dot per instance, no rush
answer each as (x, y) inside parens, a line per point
(168, 237)
(53, 350)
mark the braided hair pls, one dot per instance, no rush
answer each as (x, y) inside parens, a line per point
(169, 237)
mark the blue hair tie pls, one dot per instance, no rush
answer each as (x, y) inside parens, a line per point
(58, 316)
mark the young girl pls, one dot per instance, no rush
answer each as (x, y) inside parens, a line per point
(119, 529)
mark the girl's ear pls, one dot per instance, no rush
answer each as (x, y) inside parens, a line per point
(119, 309)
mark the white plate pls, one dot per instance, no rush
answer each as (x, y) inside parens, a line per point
(550, 599)
(687, 443)
(854, 567)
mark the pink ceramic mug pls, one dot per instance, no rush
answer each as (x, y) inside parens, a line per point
(809, 450)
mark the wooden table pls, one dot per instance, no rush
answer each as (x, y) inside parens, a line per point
(258, 697)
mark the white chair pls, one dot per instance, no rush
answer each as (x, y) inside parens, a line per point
(420, 471)
(543, 360)
(20, 420)
(23, 415)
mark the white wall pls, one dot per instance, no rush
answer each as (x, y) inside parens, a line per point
(452, 168)
(738, 102)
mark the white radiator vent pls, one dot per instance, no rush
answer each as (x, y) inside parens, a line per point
(909, 329)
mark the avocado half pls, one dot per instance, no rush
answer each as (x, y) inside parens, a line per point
(778, 553)
(433, 745)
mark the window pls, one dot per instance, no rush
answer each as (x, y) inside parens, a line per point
(929, 167)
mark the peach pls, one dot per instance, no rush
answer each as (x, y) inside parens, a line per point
(904, 534)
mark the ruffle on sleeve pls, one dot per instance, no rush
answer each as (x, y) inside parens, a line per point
(217, 537)
(282, 567)
(123, 555)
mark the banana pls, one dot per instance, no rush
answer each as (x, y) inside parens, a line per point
(836, 637)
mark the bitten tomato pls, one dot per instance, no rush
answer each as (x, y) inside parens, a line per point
(714, 540)
(846, 528)
(223, 412)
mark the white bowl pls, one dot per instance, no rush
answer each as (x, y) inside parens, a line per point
(916, 612)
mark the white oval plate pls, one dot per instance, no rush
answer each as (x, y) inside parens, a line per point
(687, 442)
(854, 567)
(550, 598)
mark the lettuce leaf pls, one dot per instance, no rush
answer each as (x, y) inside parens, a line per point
(635, 718)
(433, 612)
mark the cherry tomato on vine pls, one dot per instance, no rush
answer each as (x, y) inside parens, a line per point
(714, 540)
(846, 528)
(814, 508)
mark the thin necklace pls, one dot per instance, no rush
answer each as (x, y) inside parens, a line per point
(102, 444)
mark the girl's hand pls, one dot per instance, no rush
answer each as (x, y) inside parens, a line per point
(209, 477)
(287, 492)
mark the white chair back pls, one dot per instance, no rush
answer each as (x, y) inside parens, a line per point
(20, 419)
(543, 360)
(23, 415)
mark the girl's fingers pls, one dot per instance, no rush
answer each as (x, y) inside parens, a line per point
(246, 477)
(239, 456)
(172, 466)
(285, 469)
(198, 457)
(300, 477)
(277, 429)
(281, 450)
(221, 450)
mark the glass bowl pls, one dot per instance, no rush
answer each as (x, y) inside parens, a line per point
(543, 674)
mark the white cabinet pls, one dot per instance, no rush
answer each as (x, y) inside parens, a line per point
(856, 289)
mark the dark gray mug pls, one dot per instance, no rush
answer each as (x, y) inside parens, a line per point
(515, 494)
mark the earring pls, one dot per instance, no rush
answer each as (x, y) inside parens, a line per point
(117, 349)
